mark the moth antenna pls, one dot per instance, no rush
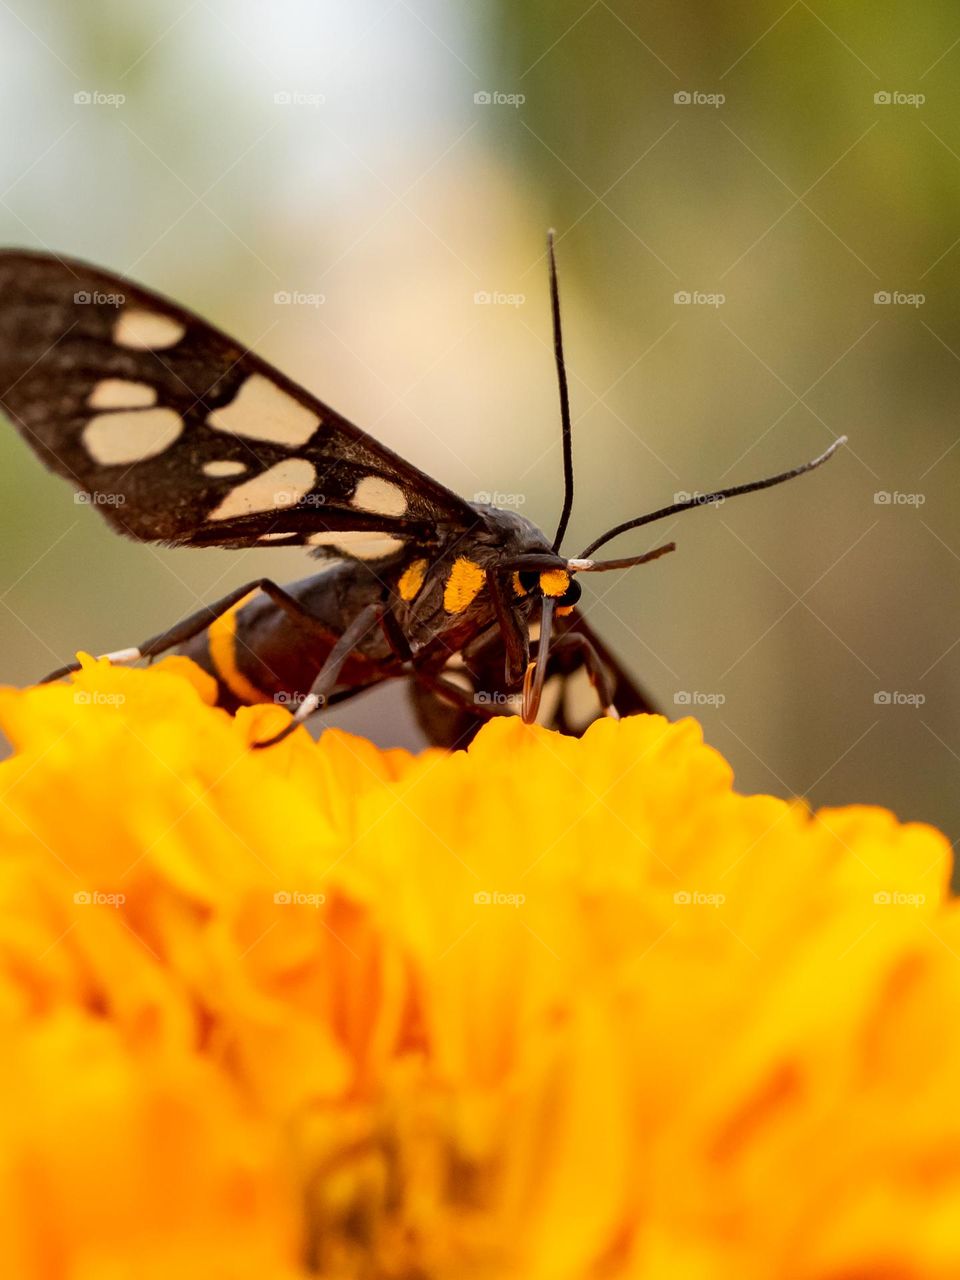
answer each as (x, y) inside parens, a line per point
(703, 500)
(566, 430)
(604, 566)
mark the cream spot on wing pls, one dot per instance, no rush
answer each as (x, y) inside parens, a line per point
(274, 537)
(121, 438)
(224, 468)
(278, 487)
(261, 411)
(581, 704)
(364, 544)
(146, 330)
(382, 497)
(118, 393)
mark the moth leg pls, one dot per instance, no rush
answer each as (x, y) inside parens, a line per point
(594, 668)
(395, 637)
(191, 626)
(452, 693)
(327, 675)
(515, 646)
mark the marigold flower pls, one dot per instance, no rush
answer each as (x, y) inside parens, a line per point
(558, 1009)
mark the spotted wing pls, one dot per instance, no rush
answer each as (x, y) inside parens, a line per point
(181, 435)
(569, 703)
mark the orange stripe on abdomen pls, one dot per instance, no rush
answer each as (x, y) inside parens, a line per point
(222, 648)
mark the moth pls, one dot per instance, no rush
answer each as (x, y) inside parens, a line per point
(180, 435)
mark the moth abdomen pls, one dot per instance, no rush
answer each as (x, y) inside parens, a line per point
(259, 651)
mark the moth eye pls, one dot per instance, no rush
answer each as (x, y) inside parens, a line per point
(571, 595)
(529, 580)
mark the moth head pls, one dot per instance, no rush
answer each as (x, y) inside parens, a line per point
(556, 583)
(545, 582)
(550, 581)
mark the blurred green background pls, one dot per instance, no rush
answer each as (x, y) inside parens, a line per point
(393, 160)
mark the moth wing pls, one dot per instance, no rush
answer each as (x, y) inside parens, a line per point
(181, 434)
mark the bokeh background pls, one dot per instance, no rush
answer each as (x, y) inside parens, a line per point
(396, 162)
